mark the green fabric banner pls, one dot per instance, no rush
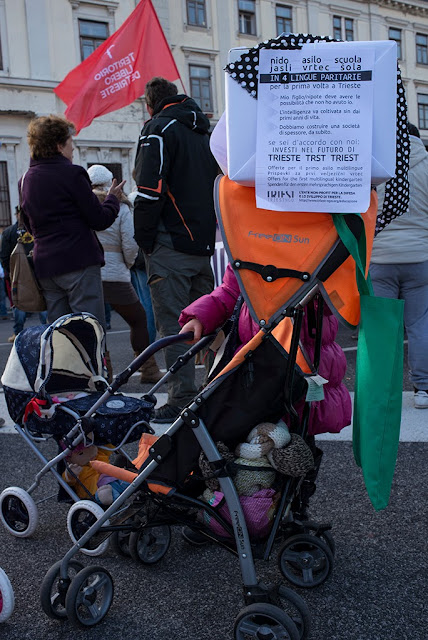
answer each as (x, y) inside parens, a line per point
(378, 379)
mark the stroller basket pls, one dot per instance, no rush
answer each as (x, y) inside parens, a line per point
(111, 421)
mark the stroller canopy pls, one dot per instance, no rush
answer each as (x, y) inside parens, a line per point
(65, 356)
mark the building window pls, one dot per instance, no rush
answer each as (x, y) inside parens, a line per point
(349, 29)
(395, 34)
(4, 196)
(421, 48)
(200, 87)
(423, 110)
(343, 28)
(196, 13)
(91, 35)
(247, 17)
(284, 23)
(337, 28)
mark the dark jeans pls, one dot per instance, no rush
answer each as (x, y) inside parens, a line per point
(3, 310)
(20, 317)
(139, 282)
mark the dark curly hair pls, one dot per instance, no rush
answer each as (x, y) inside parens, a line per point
(45, 133)
(157, 89)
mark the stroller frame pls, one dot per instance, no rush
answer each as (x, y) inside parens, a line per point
(255, 593)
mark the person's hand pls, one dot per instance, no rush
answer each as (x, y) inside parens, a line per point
(194, 326)
(116, 189)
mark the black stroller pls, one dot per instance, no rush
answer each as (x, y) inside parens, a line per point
(261, 383)
(165, 493)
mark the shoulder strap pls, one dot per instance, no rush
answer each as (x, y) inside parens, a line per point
(21, 187)
(20, 223)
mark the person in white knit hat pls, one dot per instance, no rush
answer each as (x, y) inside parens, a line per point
(120, 251)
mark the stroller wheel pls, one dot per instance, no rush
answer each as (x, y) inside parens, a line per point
(263, 620)
(297, 609)
(320, 531)
(327, 537)
(7, 599)
(305, 560)
(119, 543)
(89, 597)
(18, 512)
(80, 518)
(150, 544)
(52, 592)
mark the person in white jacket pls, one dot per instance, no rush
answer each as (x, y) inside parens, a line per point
(120, 251)
(399, 265)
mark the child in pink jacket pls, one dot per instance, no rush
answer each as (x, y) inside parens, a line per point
(209, 312)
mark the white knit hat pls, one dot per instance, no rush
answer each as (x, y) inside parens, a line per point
(100, 176)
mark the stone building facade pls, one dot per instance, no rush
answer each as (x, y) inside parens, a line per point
(42, 40)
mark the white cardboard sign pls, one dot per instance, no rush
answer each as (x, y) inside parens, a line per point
(314, 128)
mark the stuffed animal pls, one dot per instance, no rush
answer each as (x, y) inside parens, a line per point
(104, 488)
(269, 447)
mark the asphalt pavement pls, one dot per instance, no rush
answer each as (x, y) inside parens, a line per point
(377, 589)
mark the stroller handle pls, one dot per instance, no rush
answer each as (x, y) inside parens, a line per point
(124, 376)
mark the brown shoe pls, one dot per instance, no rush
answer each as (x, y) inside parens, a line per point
(11, 338)
(150, 372)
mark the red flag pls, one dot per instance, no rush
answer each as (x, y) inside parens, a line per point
(115, 74)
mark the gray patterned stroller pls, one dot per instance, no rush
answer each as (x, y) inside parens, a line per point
(54, 387)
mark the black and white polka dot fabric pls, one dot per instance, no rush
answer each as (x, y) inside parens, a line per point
(396, 200)
(245, 71)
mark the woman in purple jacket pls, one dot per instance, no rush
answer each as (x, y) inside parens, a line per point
(211, 311)
(62, 213)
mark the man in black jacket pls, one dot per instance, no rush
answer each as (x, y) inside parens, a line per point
(174, 219)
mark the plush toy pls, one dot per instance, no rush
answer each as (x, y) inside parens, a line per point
(269, 447)
(104, 488)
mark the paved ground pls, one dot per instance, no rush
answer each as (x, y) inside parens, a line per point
(377, 590)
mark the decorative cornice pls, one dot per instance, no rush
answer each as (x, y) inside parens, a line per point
(396, 22)
(420, 83)
(103, 144)
(292, 3)
(110, 5)
(195, 27)
(415, 8)
(188, 51)
(341, 10)
(27, 83)
(13, 140)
